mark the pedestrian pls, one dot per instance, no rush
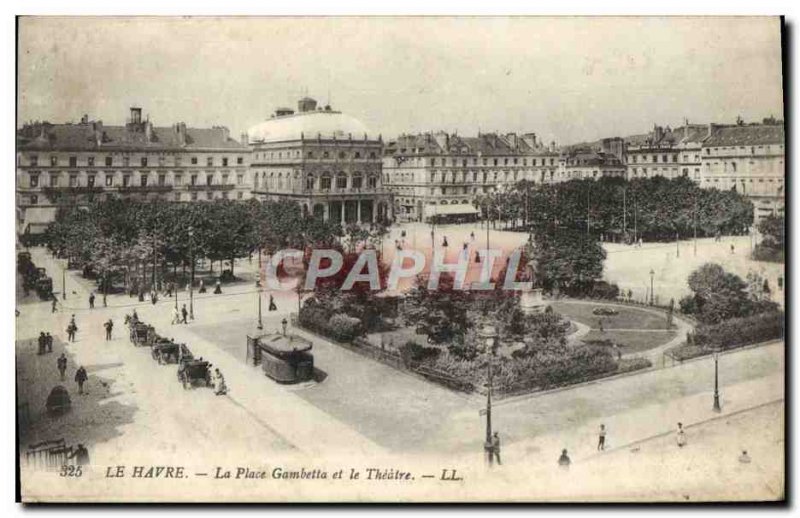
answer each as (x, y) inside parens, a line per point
(91, 300)
(780, 282)
(601, 439)
(472, 236)
(466, 245)
(403, 234)
(477, 257)
(81, 456)
(184, 313)
(272, 305)
(48, 342)
(444, 241)
(134, 317)
(71, 330)
(105, 300)
(732, 248)
(169, 289)
(80, 378)
(681, 437)
(153, 297)
(176, 316)
(202, 286)
(496, 448)
(563, 460)
(55, 305)
(600, 325)
(109, 327)
(217, 288)
(62, 365)
(744, 458)
(766, 288)
(617, 351)
(42, 344)
(220, 388)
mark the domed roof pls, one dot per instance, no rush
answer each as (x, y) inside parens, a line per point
(309, 125)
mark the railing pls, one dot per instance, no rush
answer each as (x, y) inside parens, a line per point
(48, 455)
(212, 187)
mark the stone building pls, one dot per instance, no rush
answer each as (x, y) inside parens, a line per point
(438, 175)
(77, 163)
(325, 160)
(749, 158)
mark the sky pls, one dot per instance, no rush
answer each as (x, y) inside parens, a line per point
(567, 79)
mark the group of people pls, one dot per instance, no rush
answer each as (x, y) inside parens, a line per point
(45, 341)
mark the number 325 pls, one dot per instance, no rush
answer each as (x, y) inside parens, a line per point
(70, 471)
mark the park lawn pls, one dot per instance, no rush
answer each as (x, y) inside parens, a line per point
(627, 317)
(632, 341)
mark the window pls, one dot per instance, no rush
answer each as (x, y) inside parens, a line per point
(162, 180)
(209, 179)
(126, 180)
(34, 160)
(90, 180)
(209, 195)
(239, 195)
(357, 154)
(126, 161)
(178, 161)
(90, 161)
(53, 161)
(34, 180)
(310, 154)
(144, 161)
(664, 158)
(73, 180)
(224, 195)
(310, 182)
(210, 161)
(372, 182)
(224, 161)
(177, 196)
(54, 180)
(325, 154)
(239, 179)
(194, 195)
(325, 182)
(73, 161)
(194, 162)
(224, 179)
(193, 181)
(109, 180)
(357, 182)
(161, 160)
(240, 160)
(178, 180)
(341, 182)
(143, 180)
(109, 161)
(34, 199)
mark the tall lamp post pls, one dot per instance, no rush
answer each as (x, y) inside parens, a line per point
(488, 335)
(191, 275)
(260, 325)
(64, 281)
(652, 298)
(716, 407)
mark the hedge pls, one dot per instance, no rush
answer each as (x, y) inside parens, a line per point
(737, 332)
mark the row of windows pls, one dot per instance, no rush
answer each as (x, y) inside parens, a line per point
(664, 158)
(127, 180)
(718, 150)
(33, 199)
(311, 154)
(108, 161)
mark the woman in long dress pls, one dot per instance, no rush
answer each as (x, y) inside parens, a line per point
(219, 384)
(681, 437)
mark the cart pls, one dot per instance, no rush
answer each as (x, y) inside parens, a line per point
(193, 372)
(167, 351)
(44, 288)
(142, 334)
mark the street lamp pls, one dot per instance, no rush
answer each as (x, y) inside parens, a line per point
(260, 325)
(191, 275)
(716, 407)
(64, 281)
(488, 335)
(258, 277)
(652, 273)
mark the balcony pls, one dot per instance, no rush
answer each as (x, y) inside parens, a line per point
(145, 188)
(212, 187)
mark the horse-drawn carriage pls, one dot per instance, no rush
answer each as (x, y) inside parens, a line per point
(168, 351)
(44, 287)
(193, 372)
(142, 334)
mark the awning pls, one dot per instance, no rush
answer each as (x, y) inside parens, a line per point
(444, 210)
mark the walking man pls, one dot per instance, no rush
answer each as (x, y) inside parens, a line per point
(563, 460)
(681, 437)
(184, 313)
(109, 327)
(48, 341)
(41, 341)
(496, 448)
(54, 307)
(91, 300)
(601, 443)
(62, 365)
(732, 248)
(80, 378)
(71, 329)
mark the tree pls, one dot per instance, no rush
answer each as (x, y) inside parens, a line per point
(568, 258)
(440, 314)
(719, 295)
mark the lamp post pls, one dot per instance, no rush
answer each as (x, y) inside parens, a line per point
(260, 325)
(488, 335)
(191, 275)
(652, 298)
(258, 276)
(716, 407)
(677, 245)
(64, 281)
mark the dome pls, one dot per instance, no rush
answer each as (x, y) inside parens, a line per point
(326, 124)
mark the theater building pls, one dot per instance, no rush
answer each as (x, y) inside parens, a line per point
(326, 161)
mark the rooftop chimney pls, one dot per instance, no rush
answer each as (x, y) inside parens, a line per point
(136, 115)
(306, 104)
(180, 130)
